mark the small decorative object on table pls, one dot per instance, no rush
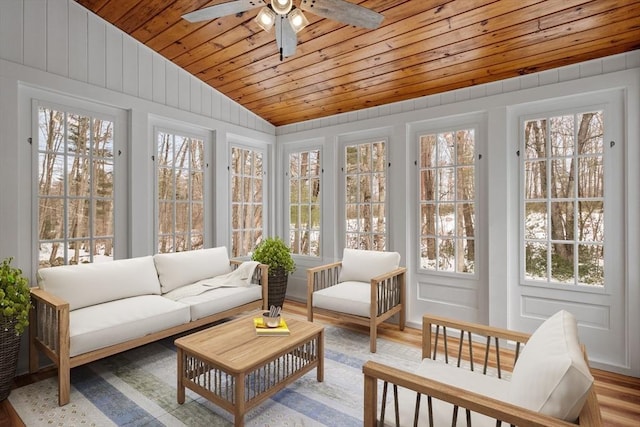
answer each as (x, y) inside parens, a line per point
(271, 323)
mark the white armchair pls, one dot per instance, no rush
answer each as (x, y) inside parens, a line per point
(366, 288)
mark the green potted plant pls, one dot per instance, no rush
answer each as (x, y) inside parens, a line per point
(15, 303)
(273, 252)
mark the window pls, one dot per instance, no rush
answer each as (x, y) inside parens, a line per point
(365, 193)
(180, 191)
(246, 200)
(563, 198)
(75, 187)
(304, 202)
(447, 201)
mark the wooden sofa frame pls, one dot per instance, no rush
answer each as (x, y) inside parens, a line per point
(387, 298)
(494, 358)
(49, 332)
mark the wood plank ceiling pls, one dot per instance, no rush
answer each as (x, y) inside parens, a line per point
(422, 47)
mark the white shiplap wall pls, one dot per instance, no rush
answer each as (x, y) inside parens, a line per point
(63, 38)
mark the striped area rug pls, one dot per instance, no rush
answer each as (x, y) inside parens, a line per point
(138, 388)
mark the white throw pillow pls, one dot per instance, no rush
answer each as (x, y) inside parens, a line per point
(551, 375)
(184, 268)
(361, 266)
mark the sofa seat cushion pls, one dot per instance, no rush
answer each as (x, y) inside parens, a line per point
(347, 297)
(476, 382)
(102, 325)
(551, 375)
(221, 299)
(177, 269)
(362, 266)
(85, 285)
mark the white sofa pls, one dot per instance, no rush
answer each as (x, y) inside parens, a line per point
(86, 312)
(550, 382)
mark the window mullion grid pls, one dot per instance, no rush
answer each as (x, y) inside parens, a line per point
(91, 192)
(65, 225)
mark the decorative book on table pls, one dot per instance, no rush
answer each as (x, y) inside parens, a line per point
(263, 330)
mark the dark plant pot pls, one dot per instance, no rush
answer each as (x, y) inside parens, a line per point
(277, 286)
(9, 349)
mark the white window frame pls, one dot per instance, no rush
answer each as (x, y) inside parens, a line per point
(455, 201)
(343, 187)
(265, 185)
(287, 196)
(206, 204)
(40, 98)
(613, 194)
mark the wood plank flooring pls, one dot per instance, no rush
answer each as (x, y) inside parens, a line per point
(619, 395)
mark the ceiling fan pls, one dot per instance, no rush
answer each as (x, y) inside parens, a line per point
(289, 19)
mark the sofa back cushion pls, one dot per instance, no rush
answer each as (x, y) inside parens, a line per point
(361, 266)
(551, 375)
(184, 268)
(85, 285)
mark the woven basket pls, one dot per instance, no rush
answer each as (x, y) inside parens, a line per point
(277, 287)
(9, 349)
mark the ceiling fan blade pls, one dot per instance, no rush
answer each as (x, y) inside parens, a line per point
(285, 37)
(222, 9)
(343, 11)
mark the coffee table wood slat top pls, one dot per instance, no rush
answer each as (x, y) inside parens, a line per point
(235, 347)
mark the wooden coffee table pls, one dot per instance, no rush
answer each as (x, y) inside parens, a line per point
(234, 368)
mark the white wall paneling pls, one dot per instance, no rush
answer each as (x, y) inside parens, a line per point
(130, 66)
(78, 48)
(113, 59)
(34, 46)
(97, 42)
(57, 41)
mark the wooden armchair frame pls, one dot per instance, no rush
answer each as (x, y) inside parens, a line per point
(387, 298)
(49, 331)
(493, 357)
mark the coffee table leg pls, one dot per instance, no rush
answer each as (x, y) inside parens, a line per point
(180, 376)
(238, 416)
(320, 368)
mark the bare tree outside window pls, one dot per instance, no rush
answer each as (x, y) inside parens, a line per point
(75, 188)
(247, 176)
(304, 202)
(564, 199)
(447, 201)
(180, 187)
(365, 192)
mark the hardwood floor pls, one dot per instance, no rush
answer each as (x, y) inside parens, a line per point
(619, 395)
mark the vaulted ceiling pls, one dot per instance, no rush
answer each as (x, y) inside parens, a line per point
(422, 47)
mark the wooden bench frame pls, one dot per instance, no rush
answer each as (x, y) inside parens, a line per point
(387, 298)
(493, 358)
(49, 332)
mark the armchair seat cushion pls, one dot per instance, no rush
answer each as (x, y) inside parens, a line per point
(475, 382)
(347, 297)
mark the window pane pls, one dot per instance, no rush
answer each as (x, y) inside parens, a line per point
(246, 194)
(75, 165)
(180, 191)
(365, 195)
(570, 204)
(447, 201)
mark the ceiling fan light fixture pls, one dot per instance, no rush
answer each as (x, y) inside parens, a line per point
(265, 19)
(297, 20)
(281, 7)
